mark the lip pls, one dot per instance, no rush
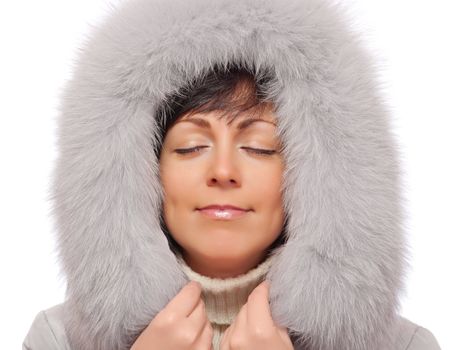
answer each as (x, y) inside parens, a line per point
(223, 212)
(222, 207)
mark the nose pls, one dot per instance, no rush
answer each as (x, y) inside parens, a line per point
(224, 167)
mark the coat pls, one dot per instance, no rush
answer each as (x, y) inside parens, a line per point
(346, 252)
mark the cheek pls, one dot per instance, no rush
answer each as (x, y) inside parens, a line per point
(267, 184)
(179, 186)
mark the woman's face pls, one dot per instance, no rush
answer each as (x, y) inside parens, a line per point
(224, 169)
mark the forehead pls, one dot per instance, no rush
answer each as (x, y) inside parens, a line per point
(242, 119)
(240, 123)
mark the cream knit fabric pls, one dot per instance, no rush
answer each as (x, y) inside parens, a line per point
(224, 297)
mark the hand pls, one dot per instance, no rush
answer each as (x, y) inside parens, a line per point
(181, 325)
(253, 328)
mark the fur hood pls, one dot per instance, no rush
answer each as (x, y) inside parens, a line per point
(337, 281)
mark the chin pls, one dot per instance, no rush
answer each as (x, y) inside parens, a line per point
(220, 253)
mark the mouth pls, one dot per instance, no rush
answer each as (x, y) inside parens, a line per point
(223, 213)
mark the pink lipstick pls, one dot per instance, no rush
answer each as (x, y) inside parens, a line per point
(223, 212)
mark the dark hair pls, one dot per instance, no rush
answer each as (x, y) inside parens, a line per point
(232, 90)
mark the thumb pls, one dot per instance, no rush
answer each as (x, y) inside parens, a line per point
(284, 334)
(224, 343)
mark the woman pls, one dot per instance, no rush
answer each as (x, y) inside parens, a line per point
(268, 106)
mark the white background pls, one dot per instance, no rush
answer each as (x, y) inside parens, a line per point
(420, 47)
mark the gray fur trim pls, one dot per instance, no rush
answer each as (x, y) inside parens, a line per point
(337, 281)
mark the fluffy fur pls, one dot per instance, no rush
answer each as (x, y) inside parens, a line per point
(336, 283)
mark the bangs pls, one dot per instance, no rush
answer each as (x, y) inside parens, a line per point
(232, 92)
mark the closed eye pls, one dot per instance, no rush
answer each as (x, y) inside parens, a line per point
(189, 150)
(259, 151)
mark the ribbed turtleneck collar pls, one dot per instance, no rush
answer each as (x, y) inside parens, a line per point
(224, 297)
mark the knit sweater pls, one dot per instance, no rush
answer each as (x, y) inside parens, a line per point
(224, 297)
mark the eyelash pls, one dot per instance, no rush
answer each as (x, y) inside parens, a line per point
(264, 152)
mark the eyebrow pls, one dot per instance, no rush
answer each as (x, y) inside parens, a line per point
(241, 126)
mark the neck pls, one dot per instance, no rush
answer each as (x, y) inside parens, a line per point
(223, 267)
(224, 297)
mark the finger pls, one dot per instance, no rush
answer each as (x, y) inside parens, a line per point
(199, 315)
(239, 325)
(204, 340)
(284, 333)
(224, 343)
(258, 310)
(185, 301)
(240, 322)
